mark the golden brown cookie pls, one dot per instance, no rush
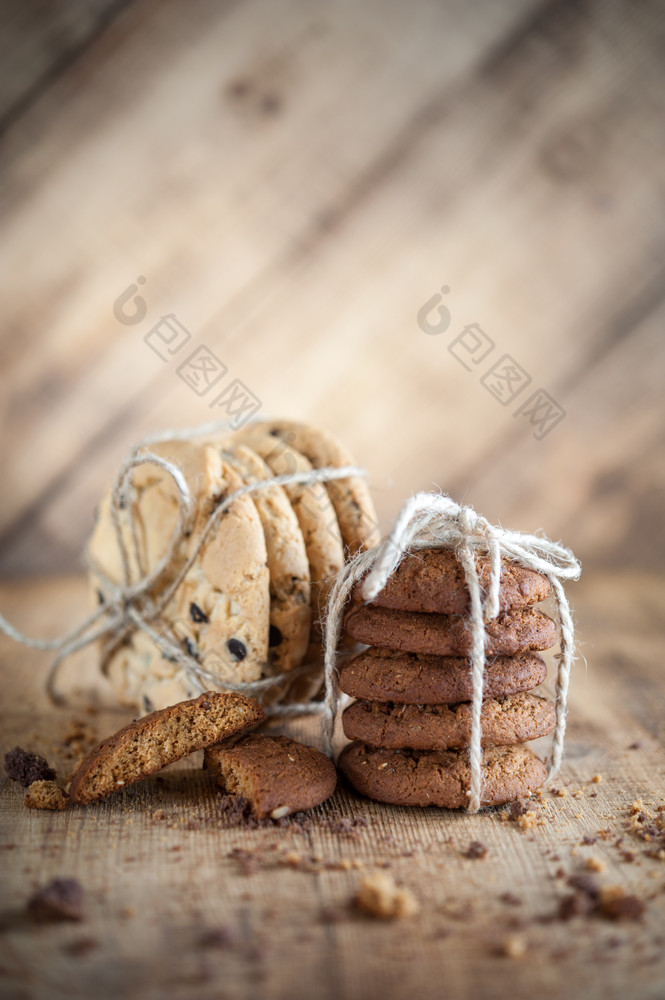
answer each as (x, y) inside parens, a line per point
(514, 719)
(148, 744)
(417, 679)
(432, 580)
(316, 517)
(275, 774)
(290, 612)
(440, 777)
(350, 497)
(449, 635)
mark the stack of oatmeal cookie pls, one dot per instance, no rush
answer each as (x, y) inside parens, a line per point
(411, 724)
(249, 605)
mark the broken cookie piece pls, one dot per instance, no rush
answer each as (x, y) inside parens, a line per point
(275, 774)
(25, 767)
(161, 738)
(45, 795)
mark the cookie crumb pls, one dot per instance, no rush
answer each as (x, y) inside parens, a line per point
(61, 899)
(476, 850)
(597, 778)
(25, 767)
(617, 905)
(81, 946)
(45, 795)
(514, 946)
(595, 864)
(380, 897)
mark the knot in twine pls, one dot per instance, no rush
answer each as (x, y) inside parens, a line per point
(431, 520)
(130, 605)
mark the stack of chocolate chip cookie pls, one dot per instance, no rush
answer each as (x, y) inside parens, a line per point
(411, 724)
(249, 605)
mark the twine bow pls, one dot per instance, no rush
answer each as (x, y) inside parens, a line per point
(430, 520)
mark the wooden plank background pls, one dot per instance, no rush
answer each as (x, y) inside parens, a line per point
(294, 181)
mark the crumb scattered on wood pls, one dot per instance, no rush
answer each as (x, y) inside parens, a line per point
(514, 946)
(380, 897)
(61, 899)
(45, 795)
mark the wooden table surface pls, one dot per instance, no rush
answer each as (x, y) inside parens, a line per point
(172, 912)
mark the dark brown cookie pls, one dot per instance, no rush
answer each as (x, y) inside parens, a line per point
(449, 635)
(417, 679)
(158, 739)
(515, 719)
(275, 774)
(440, 777)
(433, 580)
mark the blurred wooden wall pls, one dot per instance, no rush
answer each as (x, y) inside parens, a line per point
(295, 180)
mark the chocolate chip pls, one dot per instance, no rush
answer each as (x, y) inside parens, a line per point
(26, 767)
(274, 636)
(196, 614)
(237, 649)
(190, 647)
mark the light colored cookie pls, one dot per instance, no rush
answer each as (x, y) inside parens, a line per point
(316, 518)
(220, 612)
(290, 612)
(350, 497)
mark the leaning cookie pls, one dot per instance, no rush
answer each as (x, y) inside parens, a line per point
(350, 497)
(433, 580)
(515, 719)
(512, 632)
(440, 777)
(148, 744)
(275, 774)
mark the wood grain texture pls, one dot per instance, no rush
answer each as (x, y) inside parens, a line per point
(170, 912)
(295, 182)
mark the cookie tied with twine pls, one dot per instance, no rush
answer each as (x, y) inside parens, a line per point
(431, 520)
(135, 598)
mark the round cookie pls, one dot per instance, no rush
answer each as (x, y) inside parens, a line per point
(275, 774)
(350, 497)
(440, 777)
(290, 612)
(515, 719)
(316, 518)
(220, 612)
(432, 580)
(449, 635)
(416, 679)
